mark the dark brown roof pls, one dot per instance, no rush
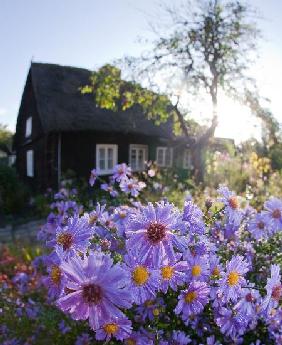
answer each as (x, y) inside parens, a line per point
(62, 107)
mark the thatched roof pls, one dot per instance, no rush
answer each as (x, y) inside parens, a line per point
(62, 107)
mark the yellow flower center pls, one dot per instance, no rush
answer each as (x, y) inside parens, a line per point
(216, 272)
(190, 296)
(148, 303)
(233, 278)
(196, 270)
(233, 202)
(167, 272)
(93, 219)
(130, 341)
(122, 215)
(111, 328)
(56, 275)
(65, 239)
(140, 275)
(156, 312)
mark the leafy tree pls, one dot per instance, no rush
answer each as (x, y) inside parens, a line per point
(271, 127)
(5, 136)
(203, 50)
(208, 45)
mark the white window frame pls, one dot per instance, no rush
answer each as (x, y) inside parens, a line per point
(138, 147)
(28, 127)
(30, 163)
(187, 161)
(163, 163)
(107, 170)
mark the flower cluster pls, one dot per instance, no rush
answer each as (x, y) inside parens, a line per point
(155, 274)
(122, 176)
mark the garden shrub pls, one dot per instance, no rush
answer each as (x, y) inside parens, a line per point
(150, 273)
(13, 194)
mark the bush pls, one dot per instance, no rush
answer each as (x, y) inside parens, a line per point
(13, 194)
(276, 156)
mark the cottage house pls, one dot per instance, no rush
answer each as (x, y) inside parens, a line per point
(59, 129)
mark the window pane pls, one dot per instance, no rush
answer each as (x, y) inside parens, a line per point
(29, 163)
(160, 156)
(187, 160)
(133, 157)
(102, 164)
(167, 157)
(110, 158)
(140, 163)
(28, 127)
(102, 153)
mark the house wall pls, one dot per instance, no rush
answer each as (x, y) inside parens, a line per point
(36, 141)
(78, 149)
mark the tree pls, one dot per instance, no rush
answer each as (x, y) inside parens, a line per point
(5, 136)
(271, 128)
(112, 92)
(202, 52)
(205, 49)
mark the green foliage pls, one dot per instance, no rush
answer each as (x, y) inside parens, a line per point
(5, 136)
(275, 155)
(113, 93)
(13, 194)
(202, 50)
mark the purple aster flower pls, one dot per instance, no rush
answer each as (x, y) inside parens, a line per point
(215, 267)
(193, 217)
(273, 214)
(275, 322)
(144, 280)
(96, 289)
(110, 189)
(48, 230)
(248, 304)
(63, 327)
(131, 186)
(257, 226)
(117, 328)
(121, 172)
(137, 338)
(21, 280)
(230, 230)
(96, 215)
(152, 233)
(73, 237)
(84, 339)
(231, 323)
(193, 300)
(229, 199)
(179, 338)
(198, 268)
(173, 274)
(120, 218)
(93, 177)
(273, 289)
(230, 284)
(212, 341)
(149, 309)
(32, 309)
(55, 281)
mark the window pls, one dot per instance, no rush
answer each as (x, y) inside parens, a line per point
(29, 163)
(187, 160)
(106, 158)
(164, 156)
(28, 127)
(138, 154)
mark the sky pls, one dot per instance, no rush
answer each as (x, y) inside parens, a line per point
(89, 33)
